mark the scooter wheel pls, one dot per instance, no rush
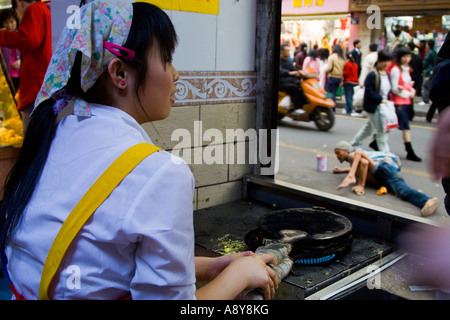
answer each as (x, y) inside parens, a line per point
(323, 118)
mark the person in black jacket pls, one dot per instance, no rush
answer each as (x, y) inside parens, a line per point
(356, 54)
(416, 69)
(440, 98)
(376, 90)
(289, 78)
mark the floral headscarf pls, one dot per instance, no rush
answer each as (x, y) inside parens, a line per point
(100, 20)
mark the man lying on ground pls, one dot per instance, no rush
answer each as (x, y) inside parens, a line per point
(382, 171)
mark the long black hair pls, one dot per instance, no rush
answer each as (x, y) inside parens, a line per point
(402, 51)
(150, 26)
(338, 50)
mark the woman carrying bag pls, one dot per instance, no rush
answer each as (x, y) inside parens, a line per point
(402, 92)
(377, 87)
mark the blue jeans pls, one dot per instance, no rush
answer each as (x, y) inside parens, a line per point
(348, 92)
(387, 176)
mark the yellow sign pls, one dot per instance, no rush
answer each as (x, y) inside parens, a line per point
(307, 3)
(199, 6)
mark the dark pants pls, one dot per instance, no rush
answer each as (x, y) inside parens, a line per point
(403, 114)
(333, 85)
(431, 111)
(387, 176)
(295, 92)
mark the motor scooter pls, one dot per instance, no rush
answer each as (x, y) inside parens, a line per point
(319, 105)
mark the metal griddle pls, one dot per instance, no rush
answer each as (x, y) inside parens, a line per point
(235, 219)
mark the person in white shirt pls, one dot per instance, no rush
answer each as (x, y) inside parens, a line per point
(139, 243)
(376, 91)
(368, 63)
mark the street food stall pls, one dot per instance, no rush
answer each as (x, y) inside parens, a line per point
(232, 202)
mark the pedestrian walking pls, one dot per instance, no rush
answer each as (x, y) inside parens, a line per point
(335, 71)
(428, 65)
(324, 53)
(350, 80)
(312, 61)
(402, 94)
(300, 56)
(368, 63)
(356, 54)
(376, 91)
(416, 69)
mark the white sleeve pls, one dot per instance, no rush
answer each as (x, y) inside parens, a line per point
(162, 221)
(395, 78)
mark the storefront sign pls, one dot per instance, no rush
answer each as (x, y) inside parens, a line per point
(300, 7)
(428, 23)
(199, 6)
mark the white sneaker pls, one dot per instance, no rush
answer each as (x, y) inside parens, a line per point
(357, 114)
(430, 207)
(344, 111)
(298, 112)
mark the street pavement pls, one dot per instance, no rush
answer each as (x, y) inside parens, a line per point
(300, 142)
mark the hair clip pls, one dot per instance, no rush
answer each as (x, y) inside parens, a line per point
(128, 56)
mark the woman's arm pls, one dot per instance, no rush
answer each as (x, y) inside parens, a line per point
(231, 275)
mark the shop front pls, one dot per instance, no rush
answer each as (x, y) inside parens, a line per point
(320, 23)
(391, 22)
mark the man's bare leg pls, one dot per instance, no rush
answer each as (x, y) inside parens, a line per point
(362, 177)
(351, 176)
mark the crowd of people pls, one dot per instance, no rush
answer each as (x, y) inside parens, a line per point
(396, 76)
(26, 42)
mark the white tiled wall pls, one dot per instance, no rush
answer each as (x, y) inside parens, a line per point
(217, 43)
(206, 42)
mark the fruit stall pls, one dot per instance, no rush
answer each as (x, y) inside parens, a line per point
(11, 129)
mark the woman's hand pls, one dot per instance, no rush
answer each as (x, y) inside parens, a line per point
(256, 273)
(244, 271)
(208, 268)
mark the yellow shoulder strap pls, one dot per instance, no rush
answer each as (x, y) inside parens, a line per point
(93, 198)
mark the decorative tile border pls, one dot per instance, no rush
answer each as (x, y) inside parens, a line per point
(215, 87)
